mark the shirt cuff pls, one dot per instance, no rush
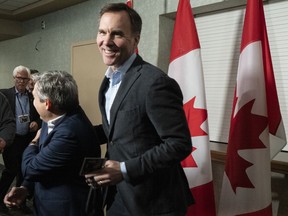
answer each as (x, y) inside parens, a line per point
(124, 170)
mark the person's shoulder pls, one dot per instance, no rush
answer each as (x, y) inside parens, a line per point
(7, 90)
(153, 72)
(2, 91)
(76, 115)
(149, 72)
(150, 69)
(3, 99)
(1, 94)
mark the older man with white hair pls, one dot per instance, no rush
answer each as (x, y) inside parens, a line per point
(27, 123)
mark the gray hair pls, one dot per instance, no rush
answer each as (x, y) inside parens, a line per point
(19, 69)
(59, 87)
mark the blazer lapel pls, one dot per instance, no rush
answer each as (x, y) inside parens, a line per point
(43, 135)
(101, 100)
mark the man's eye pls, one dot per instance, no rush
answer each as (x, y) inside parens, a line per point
(101, 33)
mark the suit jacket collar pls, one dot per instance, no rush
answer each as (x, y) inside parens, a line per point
(44, 136)
(101, 100)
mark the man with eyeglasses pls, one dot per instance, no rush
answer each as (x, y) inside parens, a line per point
(27, 124)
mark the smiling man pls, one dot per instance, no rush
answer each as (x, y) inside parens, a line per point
(143, 118)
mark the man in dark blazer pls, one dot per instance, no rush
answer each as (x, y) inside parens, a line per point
(7, 123)
(27, 123)
(52, 162)
(7, 131)
(144, 121)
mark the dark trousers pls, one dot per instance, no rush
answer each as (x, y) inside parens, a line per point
(94, 204)
(117, 207)
(12, 157)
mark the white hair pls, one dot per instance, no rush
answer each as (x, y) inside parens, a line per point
(21, 68)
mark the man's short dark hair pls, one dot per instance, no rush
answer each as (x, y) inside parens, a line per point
(135, 19)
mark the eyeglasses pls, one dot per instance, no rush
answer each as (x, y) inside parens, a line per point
(24, 79)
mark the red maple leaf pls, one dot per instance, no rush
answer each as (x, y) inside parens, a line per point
(195, 118)
(189, 160)
(245, 130)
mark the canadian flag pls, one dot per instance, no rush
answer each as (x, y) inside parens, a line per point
(256, 126)
(130, 3)
(186, 68)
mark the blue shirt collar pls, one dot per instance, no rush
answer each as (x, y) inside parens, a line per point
(123, 68)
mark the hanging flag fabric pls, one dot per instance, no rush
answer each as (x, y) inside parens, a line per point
(186, 68)
(256, 125)
(130, 4)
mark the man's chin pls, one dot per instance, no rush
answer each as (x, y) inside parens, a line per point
(108, 62)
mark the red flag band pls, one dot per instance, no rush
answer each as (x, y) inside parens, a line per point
(130, 4)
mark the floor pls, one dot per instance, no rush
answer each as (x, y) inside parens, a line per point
(14, 212)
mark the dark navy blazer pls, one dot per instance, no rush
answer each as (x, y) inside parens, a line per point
(52, 169)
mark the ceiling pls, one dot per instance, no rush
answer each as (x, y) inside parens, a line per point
(13, 12)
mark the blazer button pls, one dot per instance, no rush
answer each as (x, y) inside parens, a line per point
(111, 143)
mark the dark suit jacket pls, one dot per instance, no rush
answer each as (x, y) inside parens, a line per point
(34, 116)
(54, 167)
(7, 121)
(149, 132)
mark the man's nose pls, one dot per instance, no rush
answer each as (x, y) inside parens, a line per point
(108, 39)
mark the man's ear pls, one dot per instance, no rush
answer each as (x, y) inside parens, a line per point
(48, 104)
(137, 39)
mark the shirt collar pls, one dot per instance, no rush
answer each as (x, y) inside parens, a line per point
(52, 123)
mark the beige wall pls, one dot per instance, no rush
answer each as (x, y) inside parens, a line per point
(75, 24)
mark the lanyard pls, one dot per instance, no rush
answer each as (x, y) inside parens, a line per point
(20, 104)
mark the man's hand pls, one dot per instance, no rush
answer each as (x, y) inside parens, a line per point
(33, 126)
(109, 175)
(15, 197)
(37, 136)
